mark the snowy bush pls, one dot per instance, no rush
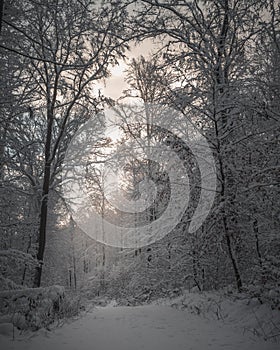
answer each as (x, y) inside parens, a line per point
(35, 308)
(238, 310)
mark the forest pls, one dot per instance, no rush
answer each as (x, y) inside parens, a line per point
(139, 156)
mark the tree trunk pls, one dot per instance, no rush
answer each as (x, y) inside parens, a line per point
(232, 257)
(42, 227)
(221, 130)
(258, 250)
(44, 203)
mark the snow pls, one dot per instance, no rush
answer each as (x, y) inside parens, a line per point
(148, 327)
(240, 311)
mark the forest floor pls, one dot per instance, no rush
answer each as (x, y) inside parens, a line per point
(148, 327)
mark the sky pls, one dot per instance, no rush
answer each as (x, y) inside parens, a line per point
(116, 83)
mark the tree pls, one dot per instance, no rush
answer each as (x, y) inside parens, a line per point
(67, 47)
(208, 45)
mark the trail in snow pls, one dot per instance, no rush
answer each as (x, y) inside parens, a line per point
(152, 327)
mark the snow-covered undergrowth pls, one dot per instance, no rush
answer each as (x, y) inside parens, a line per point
(35, 308)
(240, 311)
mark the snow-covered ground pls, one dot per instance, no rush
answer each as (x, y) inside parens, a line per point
(149, 327)
(239, 311)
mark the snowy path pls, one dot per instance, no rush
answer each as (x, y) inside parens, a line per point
(146, 327)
